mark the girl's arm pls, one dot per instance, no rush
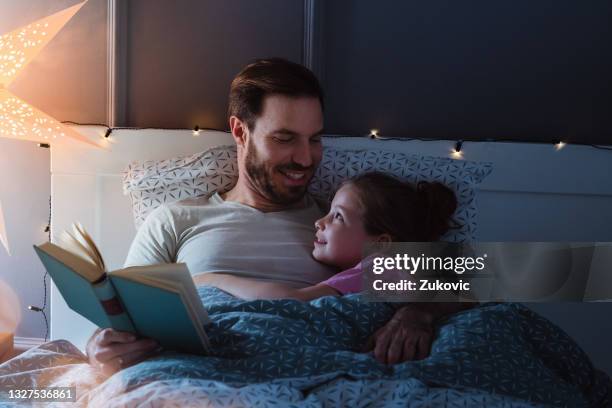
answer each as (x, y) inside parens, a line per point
(251, 289)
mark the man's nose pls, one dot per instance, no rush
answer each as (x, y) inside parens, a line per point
(302, 154)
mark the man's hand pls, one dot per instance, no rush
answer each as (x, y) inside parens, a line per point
(111, 350)
(407, 336)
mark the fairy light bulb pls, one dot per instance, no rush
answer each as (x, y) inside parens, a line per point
(456, 152)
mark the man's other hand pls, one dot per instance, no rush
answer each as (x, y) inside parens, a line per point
(111, 350)
(407, 336)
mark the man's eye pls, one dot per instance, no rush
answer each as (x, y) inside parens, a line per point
(315, 139)
(286, 139)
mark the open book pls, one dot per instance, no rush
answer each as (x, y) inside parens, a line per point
(158, 301)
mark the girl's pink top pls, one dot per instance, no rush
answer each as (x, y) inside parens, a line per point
(348, 281)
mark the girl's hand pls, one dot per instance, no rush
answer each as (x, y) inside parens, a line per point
(407, 336)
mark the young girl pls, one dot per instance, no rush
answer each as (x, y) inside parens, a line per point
(372, 207)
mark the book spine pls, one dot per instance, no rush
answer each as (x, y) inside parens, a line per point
(112, 306)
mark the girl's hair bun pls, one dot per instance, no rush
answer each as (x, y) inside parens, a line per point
(440, 204)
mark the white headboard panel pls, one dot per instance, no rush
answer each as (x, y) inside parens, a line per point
(86, 187)
(534, 193)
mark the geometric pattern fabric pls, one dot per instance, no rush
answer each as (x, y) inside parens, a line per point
(152, 183)
(461, 176)
(288, 353)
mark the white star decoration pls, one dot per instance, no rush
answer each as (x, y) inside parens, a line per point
(19, 120)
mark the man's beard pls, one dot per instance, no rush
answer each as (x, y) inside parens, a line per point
(262, 178)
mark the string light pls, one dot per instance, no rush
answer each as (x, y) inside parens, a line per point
(373, 133)
(456, 152)
(196, 130)
(41, 309)
(560, 145)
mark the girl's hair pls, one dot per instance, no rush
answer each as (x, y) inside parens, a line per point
(408, 212)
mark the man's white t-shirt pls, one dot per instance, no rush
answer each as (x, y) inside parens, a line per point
(213, 235)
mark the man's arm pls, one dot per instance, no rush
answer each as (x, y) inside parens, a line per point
(410, 332)
(251, 289)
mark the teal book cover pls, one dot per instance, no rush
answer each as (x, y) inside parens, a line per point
(136, 304)
(160, 314)
(95, 302)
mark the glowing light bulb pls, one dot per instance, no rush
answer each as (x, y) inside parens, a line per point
(374, 133)
(456, 153)
(560, 145)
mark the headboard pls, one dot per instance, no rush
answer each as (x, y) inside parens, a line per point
(534, 193)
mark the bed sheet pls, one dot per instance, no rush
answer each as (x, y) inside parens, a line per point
(307, 354)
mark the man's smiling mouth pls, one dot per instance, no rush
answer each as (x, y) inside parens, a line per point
(294, 174)
(295, 178)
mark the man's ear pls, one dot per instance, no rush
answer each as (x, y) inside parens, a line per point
(239, 130)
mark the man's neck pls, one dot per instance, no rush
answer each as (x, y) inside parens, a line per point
(247, 195)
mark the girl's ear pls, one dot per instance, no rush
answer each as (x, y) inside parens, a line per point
(383, 241)
(383, 238)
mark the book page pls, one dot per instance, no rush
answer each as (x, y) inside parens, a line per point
(80, 243)
(78, 228)
(75, 262)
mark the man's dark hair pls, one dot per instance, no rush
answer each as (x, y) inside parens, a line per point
(266, 77)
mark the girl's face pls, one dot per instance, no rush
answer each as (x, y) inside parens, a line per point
(340, 234)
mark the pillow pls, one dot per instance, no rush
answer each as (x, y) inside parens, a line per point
(153, 183)
(461, 176)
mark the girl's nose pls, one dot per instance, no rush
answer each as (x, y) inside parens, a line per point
(319, 224)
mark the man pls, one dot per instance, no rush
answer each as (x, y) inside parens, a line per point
(264, 227)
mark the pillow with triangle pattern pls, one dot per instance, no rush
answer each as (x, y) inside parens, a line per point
(152, 183)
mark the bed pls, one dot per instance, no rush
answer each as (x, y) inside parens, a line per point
(287, 353)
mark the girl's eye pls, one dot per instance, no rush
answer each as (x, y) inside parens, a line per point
(338, 217)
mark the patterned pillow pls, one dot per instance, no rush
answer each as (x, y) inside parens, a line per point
(153, 183)
(461, 176)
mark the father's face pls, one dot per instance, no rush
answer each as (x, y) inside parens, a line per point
(284, 149)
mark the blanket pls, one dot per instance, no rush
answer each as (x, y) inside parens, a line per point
(289, 353)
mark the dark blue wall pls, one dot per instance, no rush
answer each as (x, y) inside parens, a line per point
(182, 55)
(521, 69)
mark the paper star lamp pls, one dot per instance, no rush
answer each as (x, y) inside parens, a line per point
(18, 119)
(3, 238)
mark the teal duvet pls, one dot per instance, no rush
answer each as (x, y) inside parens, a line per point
(291, 353)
